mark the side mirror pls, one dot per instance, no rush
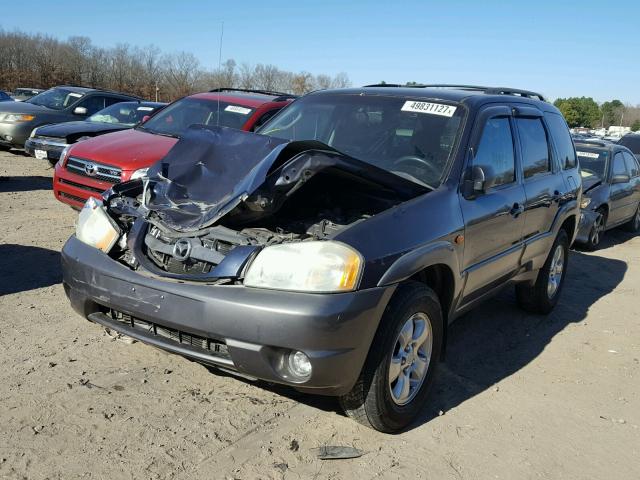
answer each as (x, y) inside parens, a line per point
(476, 183)
(145, 118)
(622, 178)
(80, 111)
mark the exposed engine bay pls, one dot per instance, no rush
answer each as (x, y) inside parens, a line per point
(180, 224)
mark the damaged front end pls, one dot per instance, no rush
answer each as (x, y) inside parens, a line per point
(221, 197)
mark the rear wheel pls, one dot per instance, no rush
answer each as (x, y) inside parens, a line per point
(400, 367)
(543, 295)
(634, 224)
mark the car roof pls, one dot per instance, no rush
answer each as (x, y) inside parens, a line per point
(602, 146)
(84, 90)
(143, 103)
(455, 93)
(248, 98)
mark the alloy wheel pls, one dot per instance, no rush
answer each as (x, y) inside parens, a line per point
(555, 271)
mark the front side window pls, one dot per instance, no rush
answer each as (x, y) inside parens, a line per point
(56, 98)
(414, 139)
(562, 139)
(495, 152)
(632, 164)
(619, 166)
(535, 149)
(93, 104)
(175, 119)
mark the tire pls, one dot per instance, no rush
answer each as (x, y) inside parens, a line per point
(372, 401)
(4, 149)
(541, 297)
(633, 225)
(597, 231)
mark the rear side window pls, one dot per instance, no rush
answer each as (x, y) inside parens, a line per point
(619, 167)
(632, 164)
(495, 151)
(562, 139)
(535, 149)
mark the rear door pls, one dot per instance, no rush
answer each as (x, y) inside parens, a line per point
(544, 185)
(493, 220)
(622, 194)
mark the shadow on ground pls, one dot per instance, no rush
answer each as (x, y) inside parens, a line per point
(497, 339)
(25, 184)
(26, 268)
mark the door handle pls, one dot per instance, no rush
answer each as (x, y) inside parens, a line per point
(516, 210)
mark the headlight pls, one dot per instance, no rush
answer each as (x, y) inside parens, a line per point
(585, 202)
(17, 117)
(319, 266)
(63, 155)
(139, 173)
(95, 227)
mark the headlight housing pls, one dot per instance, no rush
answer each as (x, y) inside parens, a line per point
(64, 155)
(315, 266)
(95, 227)
(585, 202)
(140, 173)
(18, 117)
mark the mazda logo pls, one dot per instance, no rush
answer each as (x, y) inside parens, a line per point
(182, 249)
(90, 169)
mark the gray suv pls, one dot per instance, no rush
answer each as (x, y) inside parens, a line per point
(331, 250)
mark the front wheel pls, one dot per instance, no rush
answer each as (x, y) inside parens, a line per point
(634, 224)
(597, 231)
(544, 294)
(395, 380)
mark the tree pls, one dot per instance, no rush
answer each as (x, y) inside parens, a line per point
(579, 111)
(635, 126)
(613, 112)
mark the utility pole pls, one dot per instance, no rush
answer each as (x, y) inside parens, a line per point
(157, 90)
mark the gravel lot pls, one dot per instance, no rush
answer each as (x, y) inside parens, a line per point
(520, 396)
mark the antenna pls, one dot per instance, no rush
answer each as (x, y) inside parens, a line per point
(219, 68)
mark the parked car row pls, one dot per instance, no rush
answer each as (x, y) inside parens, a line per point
(327, 242)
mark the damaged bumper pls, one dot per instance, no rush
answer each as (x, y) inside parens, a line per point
(587, 220)
(247, 330)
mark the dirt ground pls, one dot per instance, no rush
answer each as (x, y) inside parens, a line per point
(520, 396)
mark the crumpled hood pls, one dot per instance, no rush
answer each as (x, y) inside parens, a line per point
(212, 169)
(590, 182)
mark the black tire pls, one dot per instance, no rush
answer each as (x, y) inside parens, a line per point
(597, 231)
(633, 225)
(536, 298)
(370, 401)
(4, 149)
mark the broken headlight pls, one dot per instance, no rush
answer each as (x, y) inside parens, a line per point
(322, 266)
(95, 227)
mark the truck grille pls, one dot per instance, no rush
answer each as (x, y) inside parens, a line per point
(210, 346)
(87, 168)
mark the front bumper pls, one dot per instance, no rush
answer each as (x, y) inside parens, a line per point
(257, 326)
(587, 220)
(75, 190)
(53, 149)
(15, 134)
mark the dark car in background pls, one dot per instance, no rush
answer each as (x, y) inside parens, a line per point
(611, 190)
(331, 251)
(95, 165)
(21, 94)
(632, 142)
(58, 104)
(5, 97)
(48, 142)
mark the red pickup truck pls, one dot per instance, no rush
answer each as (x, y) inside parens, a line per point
(92, 166)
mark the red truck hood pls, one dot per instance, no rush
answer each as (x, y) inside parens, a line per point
(128, 149)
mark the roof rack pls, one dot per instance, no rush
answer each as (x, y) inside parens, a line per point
(474, 88)
(593, 143)
(280, 95)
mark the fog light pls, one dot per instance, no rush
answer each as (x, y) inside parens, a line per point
(299, 365)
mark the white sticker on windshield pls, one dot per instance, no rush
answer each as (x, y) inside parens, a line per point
(145, 109)
(237, 109)
(430, 108)
(77, 95)
(588, 154)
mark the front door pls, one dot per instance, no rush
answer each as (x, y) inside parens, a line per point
(493, 219)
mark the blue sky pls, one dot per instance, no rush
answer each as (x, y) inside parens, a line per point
(590, 48)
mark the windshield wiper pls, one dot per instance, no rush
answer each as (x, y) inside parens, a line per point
(154, 132)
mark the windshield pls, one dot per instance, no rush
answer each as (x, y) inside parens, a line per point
(410, 138)
(179, 116)
(124, 113)
(55, 98)
(592, 161)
